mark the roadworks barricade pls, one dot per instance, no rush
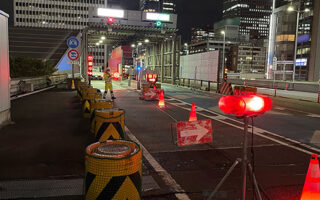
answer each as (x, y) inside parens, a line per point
(241, 90)
(98, 104)
(88, 96)
(108, 124)
(83, 88)
(113, 170)
(226, 88)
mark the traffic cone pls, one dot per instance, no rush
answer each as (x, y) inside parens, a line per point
(193, 114)
(311, 188)
(161, 103)
(72, 85)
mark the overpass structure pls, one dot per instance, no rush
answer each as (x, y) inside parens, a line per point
(132, 27)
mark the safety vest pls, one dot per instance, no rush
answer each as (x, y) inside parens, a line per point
(107, 77)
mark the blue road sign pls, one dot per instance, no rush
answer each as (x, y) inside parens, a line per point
(73, 42)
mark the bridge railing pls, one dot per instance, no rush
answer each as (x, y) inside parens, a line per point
(29, 84)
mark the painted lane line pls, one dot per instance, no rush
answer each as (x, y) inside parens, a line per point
(166, 177)
(259, 132)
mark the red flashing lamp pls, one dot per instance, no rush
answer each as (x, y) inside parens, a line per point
(110, 20)
(245, 105)
(116, 75)
(90, 65)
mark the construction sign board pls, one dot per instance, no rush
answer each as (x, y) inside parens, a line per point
(194, 132)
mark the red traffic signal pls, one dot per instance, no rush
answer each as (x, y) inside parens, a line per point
(245, 105)
(110, 20)
(90, 65)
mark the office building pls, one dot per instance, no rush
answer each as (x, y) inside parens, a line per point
(164, 6)
(281, 52)
(249, 59)
(254, 15)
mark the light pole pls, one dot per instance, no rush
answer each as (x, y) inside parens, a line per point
(223, 52)
(291, 9)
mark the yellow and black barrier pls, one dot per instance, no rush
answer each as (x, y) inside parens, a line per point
(79, 85)
(226, 88)
(113, 170)
(91, 93)
(108, 124)
(83, 88)
(97, 104)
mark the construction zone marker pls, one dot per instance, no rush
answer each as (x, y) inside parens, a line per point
(113, 170)
(161, 103)
(193, 113)
(311, 188)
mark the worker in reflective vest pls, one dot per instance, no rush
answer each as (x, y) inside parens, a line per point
(108, 83)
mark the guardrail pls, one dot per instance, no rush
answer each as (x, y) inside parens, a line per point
(209, 85)
(20, 85)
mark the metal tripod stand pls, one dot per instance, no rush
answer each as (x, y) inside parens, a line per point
(245, 165)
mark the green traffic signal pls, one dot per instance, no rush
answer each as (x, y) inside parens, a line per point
(158, 24)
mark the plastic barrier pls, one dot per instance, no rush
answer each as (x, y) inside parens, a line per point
(113, 170)
(109, 124)
(97, 104)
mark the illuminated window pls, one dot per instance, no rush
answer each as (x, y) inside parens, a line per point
(283, 38)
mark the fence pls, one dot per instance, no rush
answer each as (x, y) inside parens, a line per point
(17, 85)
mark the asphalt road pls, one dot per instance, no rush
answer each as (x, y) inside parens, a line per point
(282, 142)
(45, 145)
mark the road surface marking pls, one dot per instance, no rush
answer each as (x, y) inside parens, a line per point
(259, 132)
(166, 177)
(313, 115)
(315, 138)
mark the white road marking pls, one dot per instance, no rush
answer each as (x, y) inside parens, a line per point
(258, 131)
(313, 115)
(166, 177)
(315, 138)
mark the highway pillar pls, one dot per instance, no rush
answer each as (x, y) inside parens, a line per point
(4, 71)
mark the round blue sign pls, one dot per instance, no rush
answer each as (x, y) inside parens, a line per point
(73, 42)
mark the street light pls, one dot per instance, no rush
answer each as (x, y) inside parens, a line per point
(291, 9)
(140, 43)
(103, 38)
(224, 47)
(133, 45)
(146, 40)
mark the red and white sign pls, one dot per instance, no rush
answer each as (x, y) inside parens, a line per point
(73, 54)
(151, 94)
(194, 132)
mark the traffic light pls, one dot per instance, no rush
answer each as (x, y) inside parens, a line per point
(158, 24)
(245, 105)
(110, 20)
(90, 65)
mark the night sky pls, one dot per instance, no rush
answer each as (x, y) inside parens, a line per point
(191, 13)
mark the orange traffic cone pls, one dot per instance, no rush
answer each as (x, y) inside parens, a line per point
(311, 188)
(193, 114)
(161, 103)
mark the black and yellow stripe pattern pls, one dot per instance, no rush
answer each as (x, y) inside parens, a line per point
(108, 124)
(113, 176)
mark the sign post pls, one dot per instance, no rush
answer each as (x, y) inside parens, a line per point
(73, 43)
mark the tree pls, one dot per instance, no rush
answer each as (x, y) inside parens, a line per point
(30, 67)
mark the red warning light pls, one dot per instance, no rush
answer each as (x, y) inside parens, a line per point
(116, 75)
(110, 20)
(90, 65)
(245, 105)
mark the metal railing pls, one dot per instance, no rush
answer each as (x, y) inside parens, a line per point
(17, 85)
